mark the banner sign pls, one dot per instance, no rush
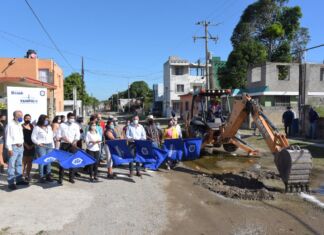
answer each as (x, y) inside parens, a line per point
(29, 100)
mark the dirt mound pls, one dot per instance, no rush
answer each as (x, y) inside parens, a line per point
(243, 185)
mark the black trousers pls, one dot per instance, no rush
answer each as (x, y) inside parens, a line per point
(93, 169)
(68, 148)
(288, 129)
(132, 148)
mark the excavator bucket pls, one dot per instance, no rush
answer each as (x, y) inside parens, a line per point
(294, 166)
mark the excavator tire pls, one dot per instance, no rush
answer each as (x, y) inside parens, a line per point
(230, 147)
(294, 166)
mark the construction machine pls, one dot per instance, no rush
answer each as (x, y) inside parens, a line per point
(293, 163)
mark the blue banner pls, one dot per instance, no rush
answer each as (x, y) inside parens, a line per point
(54, 155)
(192, 148)
(144, 151)
(160, 155)
(175, 148)
(78, 160)
(120, 152)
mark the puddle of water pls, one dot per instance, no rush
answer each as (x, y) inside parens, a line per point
(321, 190)
(221, 163)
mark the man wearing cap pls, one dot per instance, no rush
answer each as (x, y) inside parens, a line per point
(152, 132)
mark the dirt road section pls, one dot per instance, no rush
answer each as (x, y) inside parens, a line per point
(196, 210)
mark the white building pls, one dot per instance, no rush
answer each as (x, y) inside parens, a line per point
(180, 77)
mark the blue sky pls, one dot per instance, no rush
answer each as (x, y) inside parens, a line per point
(125, 41)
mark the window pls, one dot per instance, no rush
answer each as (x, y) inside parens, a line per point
(44, 75)
(176, 106)
(322, 75)
(283, 72)
(282, 101)
(180, 88)
(196, 88)
(178, 70)
(187, 106)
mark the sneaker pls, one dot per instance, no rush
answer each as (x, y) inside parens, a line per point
(91, 179)
(22, 183)
(49, 178)
(71, 181)
(60, 181)
(109, 176)
(42, 180)
(77, 174)
(95, 178)
(12, 186)
(138, 174)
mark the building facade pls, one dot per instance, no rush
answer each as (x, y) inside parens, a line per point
(278, 85)
(34, 72)
(179, 77)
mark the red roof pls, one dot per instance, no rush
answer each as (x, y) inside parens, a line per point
(27, 80)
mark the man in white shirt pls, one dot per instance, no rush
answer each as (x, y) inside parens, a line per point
(14, 144)
(68, 134)
(135, 131)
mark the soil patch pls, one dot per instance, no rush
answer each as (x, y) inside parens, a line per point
(245, 185)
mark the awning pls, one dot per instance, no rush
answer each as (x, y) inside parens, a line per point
(25, 81)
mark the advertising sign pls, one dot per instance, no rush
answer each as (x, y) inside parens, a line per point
(29, 100)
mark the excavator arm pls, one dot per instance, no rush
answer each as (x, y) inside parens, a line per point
(294, 164)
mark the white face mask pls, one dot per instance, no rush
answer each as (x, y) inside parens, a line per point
(135, 121)
(71, 120)
(93, 128)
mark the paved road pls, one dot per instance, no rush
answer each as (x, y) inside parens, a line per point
(121, 206)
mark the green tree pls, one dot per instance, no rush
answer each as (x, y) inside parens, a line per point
(75, 80)
(267, 31)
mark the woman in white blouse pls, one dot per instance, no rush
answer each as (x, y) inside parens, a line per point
(93, 140)
(42, 137)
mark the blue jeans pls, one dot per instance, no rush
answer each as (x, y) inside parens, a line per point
(312, 129)
(15, 165)
(41, 151)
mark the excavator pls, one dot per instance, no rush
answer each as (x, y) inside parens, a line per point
(293, 163)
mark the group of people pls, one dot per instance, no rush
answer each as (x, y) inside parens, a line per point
(25, 141)
(289, 116)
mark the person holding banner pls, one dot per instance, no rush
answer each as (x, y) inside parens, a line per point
(43, 138)
(171, 132)
(93, 140)
(69, 134)
(135, 131)
(14, 144)
(110, 134)
(152, 132)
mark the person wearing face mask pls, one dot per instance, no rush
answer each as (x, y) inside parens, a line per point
(14, 144)
(171, 132)
(55, 127)
(110, 134)
(177, 126)
(135, 131)
(43, 138)
(93, 140)
(68, 134)
(29, 148)
(118, 129)
(2, 139)
(152, 132)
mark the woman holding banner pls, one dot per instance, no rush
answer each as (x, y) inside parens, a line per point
(29, 148)
(110, 134)
(42, 137)
(171, 132)
(93, 139)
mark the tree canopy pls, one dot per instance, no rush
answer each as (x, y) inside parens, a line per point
(268, 30)
(75, 80)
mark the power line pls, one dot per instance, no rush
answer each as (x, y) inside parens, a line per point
(48, 35)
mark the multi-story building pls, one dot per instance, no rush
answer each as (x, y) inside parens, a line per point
(180, 77)
(33, 72)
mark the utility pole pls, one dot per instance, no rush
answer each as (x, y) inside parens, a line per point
(128, 97)
(208, 36)
(82, 87)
